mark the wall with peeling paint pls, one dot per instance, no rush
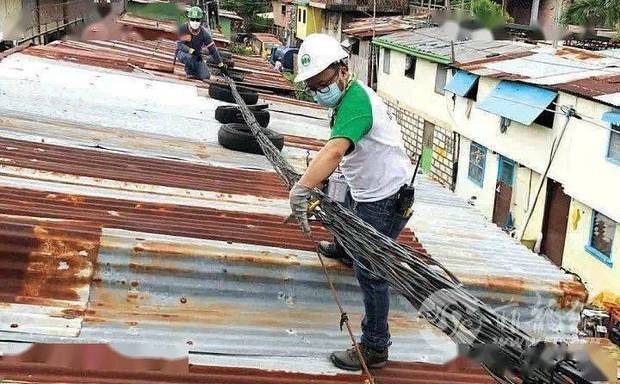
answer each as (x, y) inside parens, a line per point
(595, 274)
(417, 94)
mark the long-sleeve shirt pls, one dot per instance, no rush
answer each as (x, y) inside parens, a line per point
(198, 40)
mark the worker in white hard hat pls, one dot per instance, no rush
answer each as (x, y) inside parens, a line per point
(366, 144)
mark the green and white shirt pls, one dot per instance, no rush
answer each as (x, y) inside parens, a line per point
(376, 165)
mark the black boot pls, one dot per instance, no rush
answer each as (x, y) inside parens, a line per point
(349, 359)
(334, 251)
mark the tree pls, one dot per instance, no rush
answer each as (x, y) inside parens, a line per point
(486, 12)
(601, 13)
(248, 9)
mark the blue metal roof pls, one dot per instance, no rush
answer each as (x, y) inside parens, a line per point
(461, 83)
(612, 117)
(517, 101)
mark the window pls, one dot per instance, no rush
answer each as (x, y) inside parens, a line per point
(304, 16)
(283, 9)
(546, 117)
(440, 78)
(299, 15)
(386, 61)
(614, 144)
(355, 47)
(601, 237)
(410, 67)
(477, 162)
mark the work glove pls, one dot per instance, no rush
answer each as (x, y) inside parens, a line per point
(298, 197)
(195, 53)
(223, 68)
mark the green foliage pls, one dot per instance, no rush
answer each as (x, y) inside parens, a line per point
(259, 24)
(300, 92)
(240, 49)
(490, 14)
(248, 9)
(157, 11)
(487, 12)
(601, 13)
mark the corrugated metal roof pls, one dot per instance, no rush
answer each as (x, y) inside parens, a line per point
(580, 72)
(380, 26)
(117, 363)
(169, 256)
(436, 43)
(157, 57)
(520, 284)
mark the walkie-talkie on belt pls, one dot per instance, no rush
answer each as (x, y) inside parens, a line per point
(406, 195)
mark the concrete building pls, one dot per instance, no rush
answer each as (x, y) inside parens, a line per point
(331, 16)
(230, 24)
(358, 37)
(412, 73)
(504, 132)
(41, 21)
(284, 20)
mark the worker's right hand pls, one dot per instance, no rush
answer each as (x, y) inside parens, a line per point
(298, 197)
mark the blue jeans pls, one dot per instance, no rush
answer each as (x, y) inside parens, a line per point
(194, 65)
(383, 217)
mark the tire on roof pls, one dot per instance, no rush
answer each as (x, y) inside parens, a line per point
(238, 137)
(223, 93)
(226, 114)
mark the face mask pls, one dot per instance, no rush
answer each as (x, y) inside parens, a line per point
(194, 24)
(328, 96)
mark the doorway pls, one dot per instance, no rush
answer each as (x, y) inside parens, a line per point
(427, 147)
(555, 221)
(503, 194)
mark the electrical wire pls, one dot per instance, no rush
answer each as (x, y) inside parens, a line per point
(562, 111)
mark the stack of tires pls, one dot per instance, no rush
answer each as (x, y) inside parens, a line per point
(234, 133)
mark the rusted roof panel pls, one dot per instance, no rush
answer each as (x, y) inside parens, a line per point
(104, 364)
(186, 261)
(157, 57)
(367, 27)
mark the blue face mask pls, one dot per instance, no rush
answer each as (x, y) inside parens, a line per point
(328, 96)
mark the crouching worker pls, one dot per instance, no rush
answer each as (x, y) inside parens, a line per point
(367, 146)
(193, 37)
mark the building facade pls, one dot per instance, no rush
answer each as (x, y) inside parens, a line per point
(414, 90)
(43, 20)
(540, 157)
(284, 20)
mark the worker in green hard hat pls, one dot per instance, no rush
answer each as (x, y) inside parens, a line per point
(192, 38)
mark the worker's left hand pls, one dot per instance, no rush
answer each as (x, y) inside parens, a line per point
(298, 197)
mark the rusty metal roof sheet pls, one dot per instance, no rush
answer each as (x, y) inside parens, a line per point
(363, 27)
(160, 237)
(576, 71)
(157, 57)
(117, 363)
(435, 43)
(457, 234)
(266, 38)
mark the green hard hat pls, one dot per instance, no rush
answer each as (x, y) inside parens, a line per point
(195, 13)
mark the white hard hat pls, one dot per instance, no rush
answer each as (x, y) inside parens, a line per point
(317, 52)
